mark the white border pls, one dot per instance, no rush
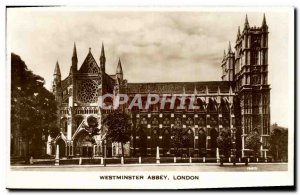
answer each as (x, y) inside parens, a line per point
(87, 180)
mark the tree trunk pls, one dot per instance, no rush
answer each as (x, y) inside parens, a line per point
(27, 155)
(122, 146)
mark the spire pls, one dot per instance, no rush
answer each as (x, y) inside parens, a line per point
(119, 71)
(57, 69)
(238, 33)
(246, 26)
(264, 22)
(224, 55)
(74, 56)
(74, 60)
(229, 48)
(102, 58)
(102, 51)
(119, 68)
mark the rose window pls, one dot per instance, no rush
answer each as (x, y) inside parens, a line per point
(87, 91)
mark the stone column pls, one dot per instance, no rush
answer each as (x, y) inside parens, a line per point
(57, 155)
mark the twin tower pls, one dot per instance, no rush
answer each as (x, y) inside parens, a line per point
(247, 68)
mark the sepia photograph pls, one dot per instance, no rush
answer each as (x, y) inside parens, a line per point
(150, 98)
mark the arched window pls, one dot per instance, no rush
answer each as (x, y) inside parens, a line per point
(201, 139)
(211, 107)
(201, 104)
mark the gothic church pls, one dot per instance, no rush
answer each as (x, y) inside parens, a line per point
(240, 101)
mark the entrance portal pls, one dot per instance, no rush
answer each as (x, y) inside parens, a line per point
(83, 145)
(62, 147)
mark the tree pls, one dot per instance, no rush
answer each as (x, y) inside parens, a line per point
(33, 107)
(92, 128)
(224, 142)
(278, 143)
(180, 139)
(119, 128)
(253, 142)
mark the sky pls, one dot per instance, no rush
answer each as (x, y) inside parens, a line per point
(154, 46)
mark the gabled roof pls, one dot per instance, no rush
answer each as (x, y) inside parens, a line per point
(89, 65)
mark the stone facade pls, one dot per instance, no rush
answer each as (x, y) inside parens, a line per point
(240, 102)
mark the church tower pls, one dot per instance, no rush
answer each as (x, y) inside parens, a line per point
(228, 65)
(252, 88)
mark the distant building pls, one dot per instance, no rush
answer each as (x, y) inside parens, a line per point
(240, 102)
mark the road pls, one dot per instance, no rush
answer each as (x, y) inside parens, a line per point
(213, 167)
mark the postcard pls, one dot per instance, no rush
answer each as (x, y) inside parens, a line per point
(150, 98)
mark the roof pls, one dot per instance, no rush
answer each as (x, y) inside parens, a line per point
(180, 87)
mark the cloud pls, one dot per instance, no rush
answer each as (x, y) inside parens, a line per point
(153, 46)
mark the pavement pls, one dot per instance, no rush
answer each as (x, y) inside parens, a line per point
(198, 167)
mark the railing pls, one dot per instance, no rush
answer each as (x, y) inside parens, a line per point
(148, 160)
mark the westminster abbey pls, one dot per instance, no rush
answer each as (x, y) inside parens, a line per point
(240, 101)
